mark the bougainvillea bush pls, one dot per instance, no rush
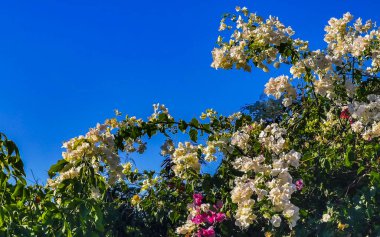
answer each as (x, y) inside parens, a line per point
(304, 162)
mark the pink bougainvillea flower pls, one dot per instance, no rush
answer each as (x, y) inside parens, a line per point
(198, 219)
(215, 217)
(299, 184)
(211, 218)
(210, 232)
(219, 217)
(197, 198)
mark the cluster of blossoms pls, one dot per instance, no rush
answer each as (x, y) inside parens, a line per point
(345, 45)
(321, 66)
(267, 179)
(186, 156)
(209, 151)
(253, 39)
(316, 60)
(213, 115)
(279, 85)
(167, 148)
(149, 183)
(159, 109)
(241, 138)
(355, 40)
(210, 113)
(69, 174)
(96, 147)
(365, 117)
(272, 137)
(241, 194)
(185, 159)
(356, 45)
(202, 218)
(135, 145)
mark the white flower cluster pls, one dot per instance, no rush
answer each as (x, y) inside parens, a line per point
(282, 186)
(210, 113)
(251, 33)
(246, 164)
(366, 112)
(234, 116)
(320, 65)
(279, 85)
(350, 48)
(95, 193)
(244, 215)
(367, 116)
(133, 145)
(344, 40)
(187, 228)
(167, 148)
(317, 61)
(325, 85)
(272, 138)
(241, 195)
(159, 109)
(241, 138)
(96, 146)
(209, 151)
(185, 159)
(133, 121)
(69, 174)
(272, 180)
(149, 183)
(344, 43)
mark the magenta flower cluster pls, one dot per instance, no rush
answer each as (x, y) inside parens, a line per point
(299, 184)
(206, 219)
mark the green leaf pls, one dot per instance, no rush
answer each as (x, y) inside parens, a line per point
(206, 126)
(193, 135)
(194, 122)
(57, 167)
(182, 125)
(1, 217)
(375, 176)
(348, 156)
(66, 230)
(18, 190)
(83, 210)
(99, 225)
(162, 117)
(360, 169)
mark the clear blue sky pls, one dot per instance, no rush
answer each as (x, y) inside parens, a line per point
(66, 65)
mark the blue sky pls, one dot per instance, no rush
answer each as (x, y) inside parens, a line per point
(66, 65)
